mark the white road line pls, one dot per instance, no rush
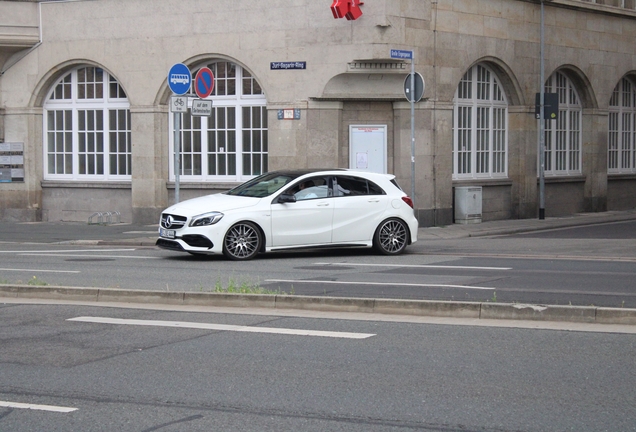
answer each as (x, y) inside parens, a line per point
(52, 408)
(378, 284)
(40, 271)
(84, 256)
(416, 266)
(68, 251)
(223, 327)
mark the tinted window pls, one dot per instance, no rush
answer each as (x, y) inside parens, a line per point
(263, 185)
(374, 189)
(311, 188)
(352, 186)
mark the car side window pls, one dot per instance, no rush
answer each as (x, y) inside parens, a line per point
(353, 186)
(311, 188)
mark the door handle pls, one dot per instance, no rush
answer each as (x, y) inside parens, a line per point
(322, 205)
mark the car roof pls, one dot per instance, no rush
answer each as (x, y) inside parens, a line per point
(296, 173)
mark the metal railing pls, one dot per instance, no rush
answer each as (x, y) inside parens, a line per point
(105, 218)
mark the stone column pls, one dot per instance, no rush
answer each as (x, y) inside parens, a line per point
(523, 151)
(150, 163)
(594, 159)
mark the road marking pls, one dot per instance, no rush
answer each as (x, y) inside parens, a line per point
(40, 271)
(52, 408)
(379, 284)
(68, 251)
(223, 327)
(84, 256)
(416, 266)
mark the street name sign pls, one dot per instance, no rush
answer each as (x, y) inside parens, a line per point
(401, 54)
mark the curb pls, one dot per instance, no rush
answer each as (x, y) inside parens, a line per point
(446, 309)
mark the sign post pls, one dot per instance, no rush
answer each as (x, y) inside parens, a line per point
(409, 90)
(179, 81)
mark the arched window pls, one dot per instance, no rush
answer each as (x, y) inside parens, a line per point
(563, 135)
(87, 128)
(622, 129)
(231, 144)
(480, 126)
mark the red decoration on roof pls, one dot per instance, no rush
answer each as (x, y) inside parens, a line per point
(349, 9)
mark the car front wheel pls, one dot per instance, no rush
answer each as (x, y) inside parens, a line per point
(242, 242)
(391, 237)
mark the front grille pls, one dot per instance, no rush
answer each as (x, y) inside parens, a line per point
(171, 221)
(196, 240)
(169, 244)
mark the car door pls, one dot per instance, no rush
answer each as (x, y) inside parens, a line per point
(308, 220)
(359, 207)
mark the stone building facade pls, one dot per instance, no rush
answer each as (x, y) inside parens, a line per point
(85, 124)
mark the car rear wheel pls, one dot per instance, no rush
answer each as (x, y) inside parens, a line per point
(242, 242)
(391, 237)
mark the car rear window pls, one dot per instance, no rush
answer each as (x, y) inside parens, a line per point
(352, 186)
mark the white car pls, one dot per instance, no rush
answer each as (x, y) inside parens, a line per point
(294, 209)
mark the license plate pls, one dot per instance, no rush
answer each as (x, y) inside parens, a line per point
(166, 233)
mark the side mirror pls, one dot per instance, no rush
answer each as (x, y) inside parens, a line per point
(286, 198)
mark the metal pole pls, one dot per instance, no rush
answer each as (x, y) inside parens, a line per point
(177, 155)
(413, 128)
(542, 123)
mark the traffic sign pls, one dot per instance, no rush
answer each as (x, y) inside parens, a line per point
(418, 90)
(402, 54)
(204, 82)
(550, 106)
(201, 108)
(179, 104)
(179, 79)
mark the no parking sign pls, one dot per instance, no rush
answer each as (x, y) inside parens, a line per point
(204, 82)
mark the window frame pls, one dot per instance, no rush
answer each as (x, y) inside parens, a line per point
(65, 96)
(570, 111)
(236, 104)
(478, 121)
(622, 110)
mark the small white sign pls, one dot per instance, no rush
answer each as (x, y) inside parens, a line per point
(179, 104)
(362, 160)
(201, 108)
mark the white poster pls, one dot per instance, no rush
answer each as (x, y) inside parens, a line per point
(368, 148)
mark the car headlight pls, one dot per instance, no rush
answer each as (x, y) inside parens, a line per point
(206, 219)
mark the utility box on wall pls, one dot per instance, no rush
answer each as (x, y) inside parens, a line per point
(468, 205)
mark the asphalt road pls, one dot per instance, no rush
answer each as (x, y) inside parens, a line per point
(593, 265)
(272, 373)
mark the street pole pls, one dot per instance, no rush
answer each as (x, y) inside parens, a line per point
(542, 122)
(177, 154)
(413, 128)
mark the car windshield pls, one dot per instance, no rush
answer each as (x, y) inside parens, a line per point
(263, 185)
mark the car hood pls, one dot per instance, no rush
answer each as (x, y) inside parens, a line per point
(216, 202)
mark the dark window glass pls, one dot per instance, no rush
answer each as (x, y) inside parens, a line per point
(351, 186)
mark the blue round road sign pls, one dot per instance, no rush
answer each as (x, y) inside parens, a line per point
(179, 79)
(204, 82)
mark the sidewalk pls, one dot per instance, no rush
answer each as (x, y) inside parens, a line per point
(515, 226)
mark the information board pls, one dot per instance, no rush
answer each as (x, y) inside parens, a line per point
(11, 162)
